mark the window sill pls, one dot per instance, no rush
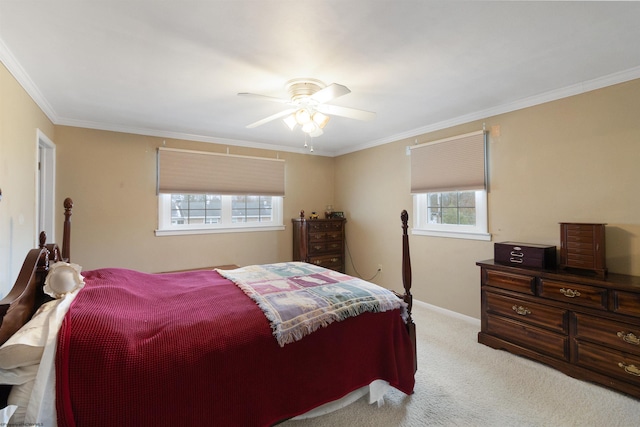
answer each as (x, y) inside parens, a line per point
(187, 231)
(452, 234)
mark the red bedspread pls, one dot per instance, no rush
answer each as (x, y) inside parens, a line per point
(192, 349)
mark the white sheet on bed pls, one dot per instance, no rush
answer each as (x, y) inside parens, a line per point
(6, 413)
(376, 391)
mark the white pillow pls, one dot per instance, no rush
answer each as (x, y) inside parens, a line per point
(63, 278)
(25, 347)
(18, 375)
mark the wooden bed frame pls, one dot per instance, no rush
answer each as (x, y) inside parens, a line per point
(27, 294)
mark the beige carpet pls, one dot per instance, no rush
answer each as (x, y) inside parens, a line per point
(463, 383)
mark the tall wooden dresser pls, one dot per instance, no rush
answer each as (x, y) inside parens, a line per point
(319, 242)
(584, 325)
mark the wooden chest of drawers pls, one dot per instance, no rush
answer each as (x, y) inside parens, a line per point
(583, 325)
(319, 242)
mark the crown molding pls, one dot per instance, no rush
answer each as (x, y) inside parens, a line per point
(187, 136)
(16, 70)
(554, 95)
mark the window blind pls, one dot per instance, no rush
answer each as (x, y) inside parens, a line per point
(451, 164)
(185, 171)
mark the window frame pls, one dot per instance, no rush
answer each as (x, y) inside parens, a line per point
(226, 225)
(422, 227)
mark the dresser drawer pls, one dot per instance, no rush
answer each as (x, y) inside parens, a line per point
(317, 247)
(618, 335)
(617, 364)
(552, 318)
(325, 226)
(325, 236)
(626, 303)
(325, 247)
(584, 295)
(510, 281)
(317, 236)
(333, 262)
(579, 232)
(317, 226)
(534, 338)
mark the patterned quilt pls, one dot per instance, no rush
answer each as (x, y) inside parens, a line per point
(299, 298)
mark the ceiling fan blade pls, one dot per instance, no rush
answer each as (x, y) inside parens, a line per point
(265, 98)
(330, 92)
(351, 113)
(270, 118)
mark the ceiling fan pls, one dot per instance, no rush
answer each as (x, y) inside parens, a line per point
(308, 105)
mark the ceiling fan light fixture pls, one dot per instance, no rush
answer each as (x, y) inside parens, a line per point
(290, 121)
(320, 119)
(308, 100)
(303, 116)
(316, 132)
(309, 127)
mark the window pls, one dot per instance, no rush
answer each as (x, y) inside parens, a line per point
(215, 213)
(461, 214)
(204, 192)
(448, 181)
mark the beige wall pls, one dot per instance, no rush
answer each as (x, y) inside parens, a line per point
(570, 160)
(111, 178)
(20, 118)
(573, 160)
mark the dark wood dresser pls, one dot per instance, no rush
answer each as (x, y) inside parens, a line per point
(319, 242)
(584, 325)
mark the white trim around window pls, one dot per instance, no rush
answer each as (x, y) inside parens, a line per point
(424, 228)
(165, 228)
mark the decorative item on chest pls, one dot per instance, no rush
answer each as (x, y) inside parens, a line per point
(525, 254)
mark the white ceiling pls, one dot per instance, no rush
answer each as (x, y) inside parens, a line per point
(174, 68)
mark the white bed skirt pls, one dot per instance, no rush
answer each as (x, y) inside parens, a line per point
(376, 391)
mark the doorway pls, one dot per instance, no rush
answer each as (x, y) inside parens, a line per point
(45, 187)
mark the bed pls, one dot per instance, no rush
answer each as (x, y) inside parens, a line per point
(241, 347)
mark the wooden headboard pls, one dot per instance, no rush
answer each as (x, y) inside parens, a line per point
(27, 294)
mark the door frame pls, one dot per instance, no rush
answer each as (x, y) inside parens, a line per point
(45, 187)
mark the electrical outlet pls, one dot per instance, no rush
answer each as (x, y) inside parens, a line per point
(379, 267)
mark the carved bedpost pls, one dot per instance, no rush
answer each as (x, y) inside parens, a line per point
(406, 283)
(66, 233)
(43, 263)
(406, 261)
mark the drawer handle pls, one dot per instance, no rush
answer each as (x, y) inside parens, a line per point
(517, 260)
(334, 259)
(569, 293)
(630, 369)
(518, 254)
(522, 311)
(629, 338)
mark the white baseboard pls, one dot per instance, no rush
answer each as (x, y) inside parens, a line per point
(447, 312)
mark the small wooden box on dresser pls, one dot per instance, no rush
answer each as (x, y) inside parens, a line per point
(586, 326)
(319, 242)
